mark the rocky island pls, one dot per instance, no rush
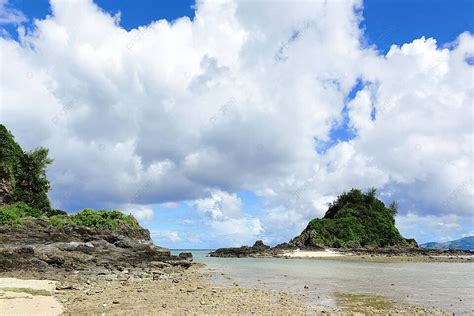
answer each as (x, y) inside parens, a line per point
(356, 225)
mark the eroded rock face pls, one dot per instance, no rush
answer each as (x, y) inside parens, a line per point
(306, 240)
(40, 245)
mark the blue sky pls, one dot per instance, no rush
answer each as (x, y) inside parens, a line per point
(385, 23)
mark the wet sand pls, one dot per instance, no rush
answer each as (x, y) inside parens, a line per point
(180, 291)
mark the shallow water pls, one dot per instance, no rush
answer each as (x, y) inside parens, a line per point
(449, 286)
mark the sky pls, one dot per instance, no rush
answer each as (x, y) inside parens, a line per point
(218, 123)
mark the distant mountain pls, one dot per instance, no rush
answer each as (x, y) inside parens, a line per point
(466, 243)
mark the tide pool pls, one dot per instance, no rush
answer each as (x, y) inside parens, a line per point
(449, 286)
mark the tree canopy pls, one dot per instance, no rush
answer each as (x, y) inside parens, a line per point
(23, 174)
(357, 219)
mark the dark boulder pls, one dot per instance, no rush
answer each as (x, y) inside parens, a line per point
(259, 249)
(186, 256)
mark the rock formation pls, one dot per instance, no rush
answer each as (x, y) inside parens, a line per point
(36, 237)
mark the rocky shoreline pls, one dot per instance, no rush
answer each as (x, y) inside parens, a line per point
(122, 272)
(38, 245)
(386, 254)
(175, 290)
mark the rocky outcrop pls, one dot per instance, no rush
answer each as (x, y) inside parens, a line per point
(38, 231)
(39, 245)
(306, 240)
(259, 249)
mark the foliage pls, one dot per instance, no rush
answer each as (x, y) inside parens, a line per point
(24, 171)
(24, 176)
(357, 218)
(103, 219)
(18, 212)
(15, 212)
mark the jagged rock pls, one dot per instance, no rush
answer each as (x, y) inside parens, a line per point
(306, 240)
(39, 245)
(260, 245)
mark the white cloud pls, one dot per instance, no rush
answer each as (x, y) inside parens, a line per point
(9, 15)
(170, 236)
(169, 205)
(237, 231)
(140, 212)
(220, 206)
(236, 100)
(433, 228)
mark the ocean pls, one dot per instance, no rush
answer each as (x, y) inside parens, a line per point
(449, 286)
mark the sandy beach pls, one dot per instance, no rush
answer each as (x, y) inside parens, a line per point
(28, 297)
(311, 254)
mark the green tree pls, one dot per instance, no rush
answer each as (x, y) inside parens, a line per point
(394, 207)
(23, 173)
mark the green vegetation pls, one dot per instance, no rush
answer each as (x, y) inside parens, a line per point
(15, 212)
(24, 187)
(357, 219)
(18, 213)
(106, 220)
(23, 174)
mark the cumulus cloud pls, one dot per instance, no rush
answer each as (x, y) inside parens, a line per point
(220, 206)
(237, 231)
(238, 99)
(169, 236)
(9, 15)
(431, 228)
(140, 212)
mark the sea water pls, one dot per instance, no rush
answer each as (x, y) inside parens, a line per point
(449, 286)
